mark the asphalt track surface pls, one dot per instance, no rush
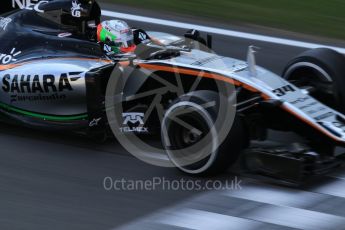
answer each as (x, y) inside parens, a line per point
(55, 181)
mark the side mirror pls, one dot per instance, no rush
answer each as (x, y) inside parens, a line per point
(195, 36)
(192, 34)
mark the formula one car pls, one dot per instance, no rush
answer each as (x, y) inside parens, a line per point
(54, 75)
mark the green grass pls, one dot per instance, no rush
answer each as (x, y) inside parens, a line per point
(316, 17)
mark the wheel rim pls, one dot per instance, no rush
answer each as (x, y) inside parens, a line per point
(317, 78)
(185, 145)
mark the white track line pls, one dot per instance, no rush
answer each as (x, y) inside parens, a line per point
(295, 218)
(203, 220)
(273, 195)
(230, 33)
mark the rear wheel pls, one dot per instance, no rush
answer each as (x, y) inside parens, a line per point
(191, 140)
(323, 71)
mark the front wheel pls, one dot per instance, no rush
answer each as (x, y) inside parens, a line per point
(323, 72)
(191, 137)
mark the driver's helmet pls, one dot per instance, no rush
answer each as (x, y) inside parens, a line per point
(117, 36)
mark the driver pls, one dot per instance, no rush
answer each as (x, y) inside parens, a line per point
(116, 37)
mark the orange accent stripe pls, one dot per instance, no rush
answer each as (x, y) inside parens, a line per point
(309, 123)
(199, 74)
(11, 66)
(206, 75)
(233, 82)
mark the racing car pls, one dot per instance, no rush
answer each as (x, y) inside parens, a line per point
(54, 75)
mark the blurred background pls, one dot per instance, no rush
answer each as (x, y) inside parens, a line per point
(313, 17)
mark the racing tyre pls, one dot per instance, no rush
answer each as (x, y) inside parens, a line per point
(186, 148)
(323, 72)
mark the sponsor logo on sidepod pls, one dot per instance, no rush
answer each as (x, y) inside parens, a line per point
(8, 58)
(76, 9)
(133, 119)
(29, 5)
(23, 87)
